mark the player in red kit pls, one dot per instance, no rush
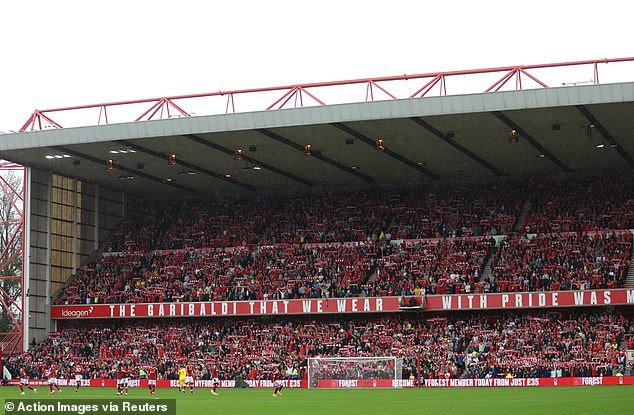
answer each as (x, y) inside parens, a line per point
(278, 385)
(24, 382)
(79, 375)
(122, 380)
(119, 380)
(189, 380)
(152, 375)
(51, 374)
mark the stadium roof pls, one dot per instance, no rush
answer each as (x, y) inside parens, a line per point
(558, 130)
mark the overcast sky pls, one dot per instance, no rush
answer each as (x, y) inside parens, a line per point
(61, 53)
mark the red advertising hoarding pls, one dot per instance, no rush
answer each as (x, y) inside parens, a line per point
(548, 299)
(365, 383)
(527, 382)
(143, 383)
(229, 308)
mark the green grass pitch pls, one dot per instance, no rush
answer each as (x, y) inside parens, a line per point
(471, 401)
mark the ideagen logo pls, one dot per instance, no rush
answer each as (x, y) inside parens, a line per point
(77, 313)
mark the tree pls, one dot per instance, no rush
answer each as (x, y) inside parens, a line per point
(11, 208)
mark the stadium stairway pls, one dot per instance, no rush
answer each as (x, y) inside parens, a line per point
(488, 262)
(521, 219)
(629, 280)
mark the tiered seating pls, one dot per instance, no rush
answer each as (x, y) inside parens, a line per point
(432, 267)
(279, 272)
(551, 262)
(580, 344)
(582, 205)
(337, 245)
(433, 212)
(562, 262)
(405, 242)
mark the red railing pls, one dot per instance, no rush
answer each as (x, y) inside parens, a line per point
(294, 95)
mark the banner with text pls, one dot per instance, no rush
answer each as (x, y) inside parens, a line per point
(229, 308)
(347, 305)
(365, 383)
(164, 383)
(529, 300)
(521, 382)
(361, 383)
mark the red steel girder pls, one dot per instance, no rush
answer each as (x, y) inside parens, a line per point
(3, 297)
(164, 104)
(369, 91)
(294, 92)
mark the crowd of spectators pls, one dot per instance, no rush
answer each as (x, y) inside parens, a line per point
(581, 205)
(376, 268)
(550, 262)
(545, 344)
(433, 211)
(409, 213)
(567, 261)
(349, 244)
(410, 242)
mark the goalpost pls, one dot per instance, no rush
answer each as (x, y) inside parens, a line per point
(355, 372)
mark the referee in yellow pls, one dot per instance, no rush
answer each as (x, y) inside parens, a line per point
(182, 374)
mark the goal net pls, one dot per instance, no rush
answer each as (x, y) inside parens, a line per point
(354, 372)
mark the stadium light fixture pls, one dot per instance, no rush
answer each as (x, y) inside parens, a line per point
(122, 151)
(57, 156)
